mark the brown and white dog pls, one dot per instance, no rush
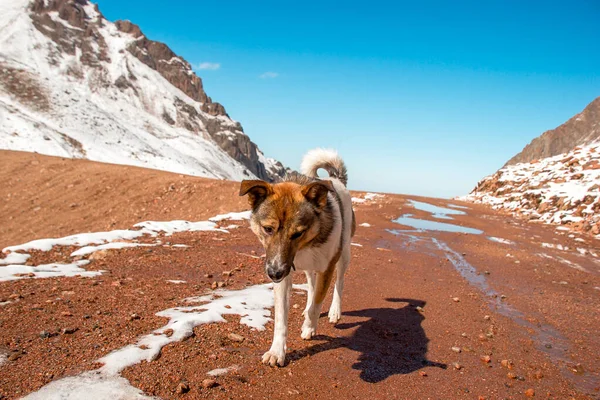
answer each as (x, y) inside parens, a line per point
(306, 224)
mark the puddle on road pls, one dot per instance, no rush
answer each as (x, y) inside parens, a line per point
(544, 334)
(422, 225)
(436, 211)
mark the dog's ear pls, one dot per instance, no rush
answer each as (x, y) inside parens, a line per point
(256, 190)
(316, 192)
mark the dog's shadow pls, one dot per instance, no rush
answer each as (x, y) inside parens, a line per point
(390, 342)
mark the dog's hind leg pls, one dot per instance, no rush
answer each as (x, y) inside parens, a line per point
(335, 311)
(276, 355)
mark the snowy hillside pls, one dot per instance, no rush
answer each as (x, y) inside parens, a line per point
(73, 84)
(564, 189)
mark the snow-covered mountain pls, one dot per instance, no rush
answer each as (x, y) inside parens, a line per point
(73, 84)
(562, 189)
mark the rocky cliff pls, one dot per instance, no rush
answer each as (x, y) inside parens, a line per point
(77, 85)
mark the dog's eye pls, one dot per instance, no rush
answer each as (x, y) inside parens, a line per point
(297, 235)
(268, 230)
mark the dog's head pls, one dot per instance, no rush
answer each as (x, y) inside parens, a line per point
(286, 217)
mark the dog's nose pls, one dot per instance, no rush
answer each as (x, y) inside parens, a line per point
(276, 274)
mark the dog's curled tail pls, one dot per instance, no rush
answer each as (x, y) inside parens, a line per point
(327, 159)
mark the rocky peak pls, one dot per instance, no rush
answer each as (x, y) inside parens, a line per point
(582, 129)
(78, 28)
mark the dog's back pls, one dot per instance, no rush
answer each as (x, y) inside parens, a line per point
(330, 161)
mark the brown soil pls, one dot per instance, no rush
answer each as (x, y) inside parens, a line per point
(543, 319)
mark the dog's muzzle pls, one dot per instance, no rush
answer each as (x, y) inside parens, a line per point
(278, 273)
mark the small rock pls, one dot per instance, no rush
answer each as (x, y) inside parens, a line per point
(168, 332)
(486, 272)
(538, 375)
(234, 337)
(66, 314)
(507, 364)
(208, 275)
(420, 309)
(548, 346)
(487, 317)
(209, 383)
(455, 299)
(134, 317)
(486, 359)
(69, 331)
(227, 273)
(530, 393)
(296, 306)
(221, 284)
(457, 366)
(503, 296)
(15, 356)
(98, 255)
(423, 373)
(511, 375)
(182, 388)
(463, 334)
(213, 285)
(456, 349)
(44, 334)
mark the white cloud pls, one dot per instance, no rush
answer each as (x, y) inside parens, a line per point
(209, 65)
(269, 75)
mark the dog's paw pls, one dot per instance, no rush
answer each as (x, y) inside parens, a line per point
(334, 314)
(308, 332)
(274, 358)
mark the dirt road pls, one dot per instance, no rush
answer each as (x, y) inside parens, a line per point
(506, 310)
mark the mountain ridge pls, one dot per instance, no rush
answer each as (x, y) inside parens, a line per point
(77, 85)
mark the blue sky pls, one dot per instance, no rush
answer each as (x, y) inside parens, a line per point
(418, 97)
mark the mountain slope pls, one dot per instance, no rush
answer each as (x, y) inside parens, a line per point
(76, 85)
(582, 129)
(563, 188)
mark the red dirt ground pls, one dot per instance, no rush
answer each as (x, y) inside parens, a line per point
(539, 313)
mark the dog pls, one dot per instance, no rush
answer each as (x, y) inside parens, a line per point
(304, 223)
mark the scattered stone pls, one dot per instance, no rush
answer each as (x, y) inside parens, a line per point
(213, 285)
(209, 383)
(511, 375)
(455, 299)
(66, 314)
(69, 331)
(227, 273)
(463, 334)
(456, 349)
(221, 284)
(45, 334)
(489, 335)
(182, 388)
(234, 337)
(482, 337)
(507, 364)
(486, 272)
(530, 393)
(457, 366)
(98, 255)
(423, 373)
(503, 296)
(134, 317)
(487, 317)
(420, 309)
(486, 359)
(208, 275)
(296, 306)
(577, 369)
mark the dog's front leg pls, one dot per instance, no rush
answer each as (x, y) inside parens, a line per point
(276, 355)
